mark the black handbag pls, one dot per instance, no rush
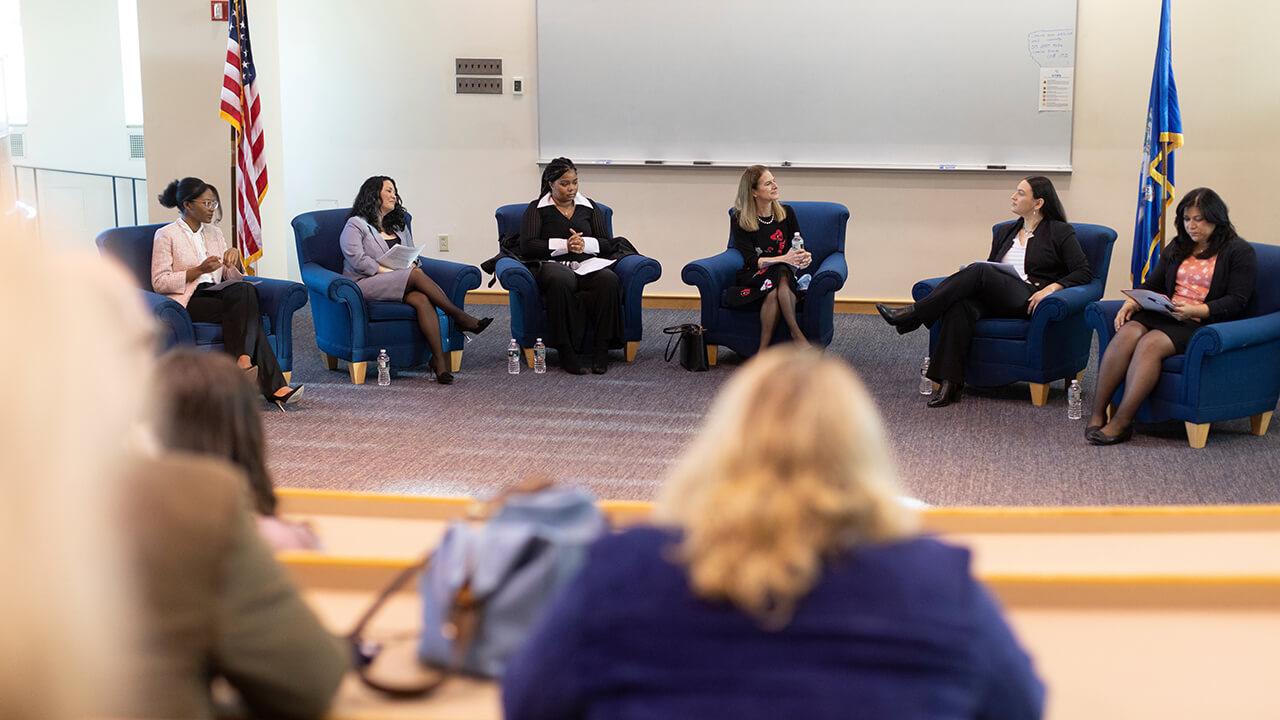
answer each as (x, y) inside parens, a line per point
(690, 343)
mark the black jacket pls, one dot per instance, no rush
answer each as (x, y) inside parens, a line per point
(1053, 253)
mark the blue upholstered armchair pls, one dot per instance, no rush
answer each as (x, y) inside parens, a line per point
(1053, 344)
(529, 310)
(278, 299)
(1230, 369)
(823, 225)
(350, 328)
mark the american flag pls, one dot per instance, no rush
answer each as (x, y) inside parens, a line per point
(240, 91)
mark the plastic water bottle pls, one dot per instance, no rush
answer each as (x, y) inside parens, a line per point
(926, 385)
(539, 358)
(1075, 401)
(797, 242)
(384, 368)
(513, 357)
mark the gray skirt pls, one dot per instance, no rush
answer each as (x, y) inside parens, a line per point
(385, 286)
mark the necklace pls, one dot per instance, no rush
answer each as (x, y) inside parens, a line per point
(766, 220)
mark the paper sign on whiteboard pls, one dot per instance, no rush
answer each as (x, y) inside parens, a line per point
(1056, 89)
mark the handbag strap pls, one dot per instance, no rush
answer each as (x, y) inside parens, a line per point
(464, 613)
(677, 333)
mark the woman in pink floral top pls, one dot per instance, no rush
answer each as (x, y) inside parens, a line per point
(1209, 273)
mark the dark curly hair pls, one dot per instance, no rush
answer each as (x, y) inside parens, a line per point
(368, 200)
(1213, 210)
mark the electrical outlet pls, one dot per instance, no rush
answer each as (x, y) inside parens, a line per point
(477, 66)
(517, 86)
(444, 243)
(479, 86)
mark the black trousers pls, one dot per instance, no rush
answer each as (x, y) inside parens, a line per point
(574, 299)
(975, 292)
(235, 307)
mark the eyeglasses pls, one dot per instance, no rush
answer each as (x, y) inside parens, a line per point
(209, 204)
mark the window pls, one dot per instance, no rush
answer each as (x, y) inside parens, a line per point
(130, 62)
(14, 80)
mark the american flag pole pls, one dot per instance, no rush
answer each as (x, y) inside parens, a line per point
(235, 241)
(241, 107)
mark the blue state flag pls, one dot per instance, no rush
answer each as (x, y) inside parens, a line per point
(1164, 135)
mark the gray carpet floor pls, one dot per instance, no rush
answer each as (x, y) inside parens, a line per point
(618, 433)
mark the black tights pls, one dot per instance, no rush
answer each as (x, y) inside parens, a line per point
(782, 301)
(426, 296)
(1133, 357)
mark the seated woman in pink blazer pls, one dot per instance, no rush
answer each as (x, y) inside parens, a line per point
(191, 263)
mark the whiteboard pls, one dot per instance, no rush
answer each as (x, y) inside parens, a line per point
(922, 84)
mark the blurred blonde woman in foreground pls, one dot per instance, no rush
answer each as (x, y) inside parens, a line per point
(787, 582)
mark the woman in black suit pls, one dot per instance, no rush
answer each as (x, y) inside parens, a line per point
(1209, 272)
(563, 237)
(1040, 246)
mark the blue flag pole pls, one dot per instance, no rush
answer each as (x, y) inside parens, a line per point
(1163, 136)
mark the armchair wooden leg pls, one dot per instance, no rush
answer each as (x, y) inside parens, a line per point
(1258, 423)
(288, 376)
(356, 371)
(1039, 394)
(712, 350)
(528, 357)
(455, 360)
(1197, 434)
(330, 362)
(632, 347)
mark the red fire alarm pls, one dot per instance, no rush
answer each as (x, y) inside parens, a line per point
(218, 10)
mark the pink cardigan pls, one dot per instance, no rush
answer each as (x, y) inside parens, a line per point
(173, 252)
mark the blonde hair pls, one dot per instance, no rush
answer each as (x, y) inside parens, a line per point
(791, 467)
(73, 398)
(748, 217)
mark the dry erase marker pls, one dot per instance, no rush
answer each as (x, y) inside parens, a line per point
(946, 167)
(996, 167)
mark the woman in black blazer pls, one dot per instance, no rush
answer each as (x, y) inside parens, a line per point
(1209, 272)
(1041, 247)
(565, 241)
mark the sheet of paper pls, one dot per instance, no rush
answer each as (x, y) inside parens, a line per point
(1056, 86)
(1006, 267)
(399, 256)
(589, 265)
(1150, 300)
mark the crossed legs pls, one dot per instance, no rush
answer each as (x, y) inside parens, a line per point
(426, 296)
(1133, 357)
(780, 302)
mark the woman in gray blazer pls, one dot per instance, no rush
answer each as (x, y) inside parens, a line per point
(376, 223)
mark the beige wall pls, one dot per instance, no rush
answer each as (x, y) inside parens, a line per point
(364, 94)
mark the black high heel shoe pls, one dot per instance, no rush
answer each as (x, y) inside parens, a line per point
(288, 398)
(444, 378)
(903, 319)
(481, 324)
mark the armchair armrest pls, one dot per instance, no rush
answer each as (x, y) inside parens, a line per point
(454, 278)
(1233, 335)
(921, 290)
(279, 300)
(711, 276)
(349, 325)
(522, 296)
(1066, 302)
(172, 317)
(634, 272)
(830, 275)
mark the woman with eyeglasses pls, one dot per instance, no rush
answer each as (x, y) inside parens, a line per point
(192, 264)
